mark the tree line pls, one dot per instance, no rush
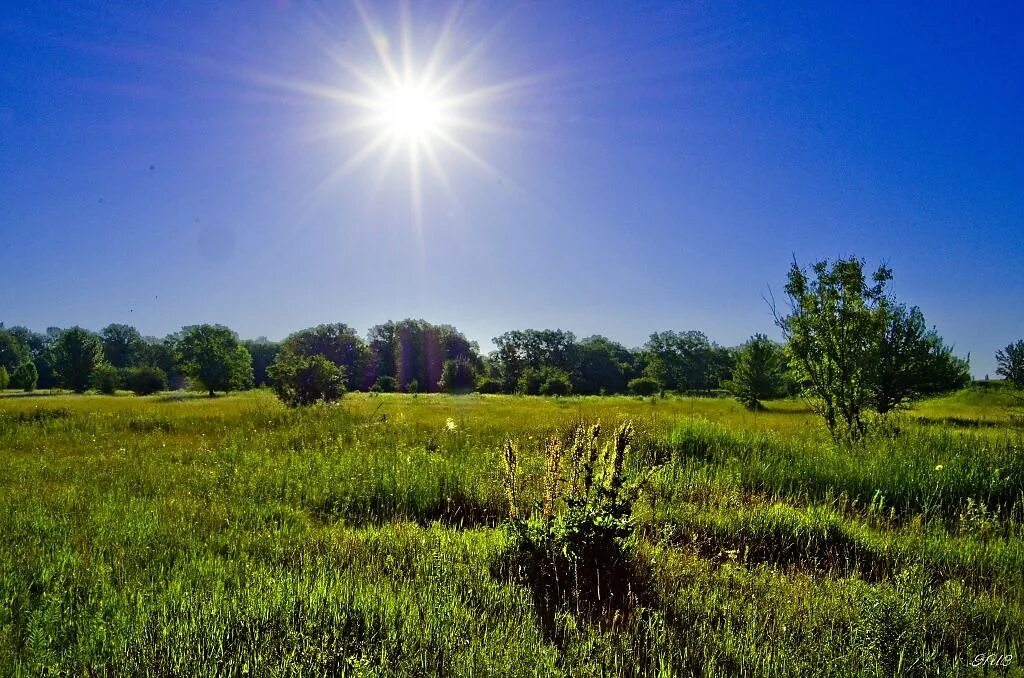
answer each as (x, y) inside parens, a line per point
(850, 348)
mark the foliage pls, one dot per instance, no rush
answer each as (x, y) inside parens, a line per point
(212, 356)
(122, 345)
(145, 380)
(385, 384)
(556, 383)
(263, 352)
(1011, 363)
(911, 361)
(338, 343)
(577, 545)
(105, 378)
(854, 348)
(303, 380)
(4, 378)
(644, 386)
(834, 319)
(488, 385)
(13, 352)
(604, 366)
(536, 350)
(759, 372)
(26, 377)
(76, 353)
(457, 376)
(687, 361)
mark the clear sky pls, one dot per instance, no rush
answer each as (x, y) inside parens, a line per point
(615, 168)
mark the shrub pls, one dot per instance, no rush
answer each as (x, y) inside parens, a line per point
(413, 386)
(145, 380)
(644, 386)
(26, 377)
(578, 547)
(556, 385)
(303, 380)
(4, 378)
(385, 384)
(489, 385)
(105, 378)
(530, 381)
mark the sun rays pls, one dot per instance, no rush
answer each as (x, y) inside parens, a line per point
(400, 104)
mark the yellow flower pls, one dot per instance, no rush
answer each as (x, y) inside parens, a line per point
(450, 424)
(939, 467)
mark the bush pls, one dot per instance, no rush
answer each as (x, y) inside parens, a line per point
(4, 378)
(145, 380)
(556, 385)
(413, 386)
(385, 384)
(303, 380)
(489, 385)
(105, 378)
(644, 386)
(578, 546)
(530, 381)
(26, 377)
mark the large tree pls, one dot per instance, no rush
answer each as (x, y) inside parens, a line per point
(835, 318)
(122, 345)
(76, 353)
(1011, 363)
(336, 342)
(604, 366)
(684, 361)
(212, 356)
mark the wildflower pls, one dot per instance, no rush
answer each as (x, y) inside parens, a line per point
(938, 467)
(450, 424)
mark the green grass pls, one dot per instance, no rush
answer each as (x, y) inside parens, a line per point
(176, 535)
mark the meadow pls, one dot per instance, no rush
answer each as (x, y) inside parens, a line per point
(179, 535)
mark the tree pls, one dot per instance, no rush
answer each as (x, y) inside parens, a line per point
(26, 377)
(911, 361)
(162, 354)
(337, 342)
(122, 345)
(303, 380)
(1011, 363)
(385, 384)
(76, 352)
(758, 375)
(686, 361)
(13, 352)
(145, 380)
(836, 316)
(604, 366)
(556, 383)
(212, 356)
(644, 386)
(105, 378)
(457, 376)
(5, 378)
(263, 352)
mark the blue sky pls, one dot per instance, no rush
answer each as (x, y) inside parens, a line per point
(648, 166)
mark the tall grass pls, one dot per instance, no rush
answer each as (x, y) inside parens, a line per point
(229, 536)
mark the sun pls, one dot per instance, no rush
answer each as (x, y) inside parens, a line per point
(411, 112)
(427, 110)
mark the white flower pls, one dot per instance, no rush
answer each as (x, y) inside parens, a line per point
(450, 424)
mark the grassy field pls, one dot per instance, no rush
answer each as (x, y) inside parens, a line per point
(177, 535)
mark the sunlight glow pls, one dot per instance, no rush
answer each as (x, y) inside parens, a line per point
(411, 112)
